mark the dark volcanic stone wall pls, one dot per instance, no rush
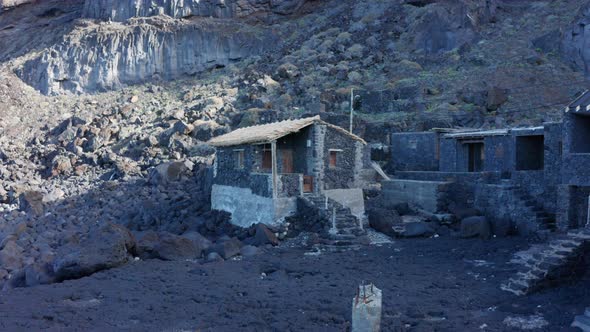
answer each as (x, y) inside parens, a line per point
(341, 177)
(229, 175)
(414, 151)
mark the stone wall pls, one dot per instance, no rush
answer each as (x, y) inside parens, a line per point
(575, 163)
(506, 212)
(572, 206)
(343, 175)
(414, 151)
(248, 208)
(429, 195)
(349, 198)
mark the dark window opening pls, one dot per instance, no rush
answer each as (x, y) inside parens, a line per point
(476, 157)
(333, 159)
(530, 153)
(581, 134)
(239, 159)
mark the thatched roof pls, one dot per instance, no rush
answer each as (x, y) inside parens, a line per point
(267, 133)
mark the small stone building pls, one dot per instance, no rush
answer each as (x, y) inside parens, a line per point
(535, 178)
(260, 171)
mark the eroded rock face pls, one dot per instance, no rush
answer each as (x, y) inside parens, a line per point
(111, 56)
(575, 41)
(8, 4)
(120, 11)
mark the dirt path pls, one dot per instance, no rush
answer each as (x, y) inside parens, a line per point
(428, 285)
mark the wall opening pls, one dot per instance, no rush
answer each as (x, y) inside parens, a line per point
(530, 153)
(581, 134)
(266, 164)
(239, 159)
(333, 158)
(476, 156)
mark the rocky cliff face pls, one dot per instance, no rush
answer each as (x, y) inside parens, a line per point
(120, 11)
(110, 56)
(8, 4)
(576, 40)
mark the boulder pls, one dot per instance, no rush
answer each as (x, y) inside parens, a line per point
(39, 274)
(288, 71)
(31, 201)
(167, 246)
(214, 257)
(201, 242)
(170, 171)
(383, 220)
(228, 248)
(463, 212)
(496, 97)
(418, 229)
(106, 247)
(248, 251)
(475, 226)
(502, 227)
(11, 256)
(264, 236)
(61, 165)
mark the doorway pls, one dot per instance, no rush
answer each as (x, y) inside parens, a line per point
(287, 161)
(476, 156)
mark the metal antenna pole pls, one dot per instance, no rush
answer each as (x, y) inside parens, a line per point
(351, 107)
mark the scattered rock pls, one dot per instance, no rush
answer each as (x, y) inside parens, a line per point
(264, 236)
(31, 201)
(228, 249)
(475, 226)
(214, 257)
(248, 251)
(11, 256)
(418, 229)
(383, 220)
(167, 246)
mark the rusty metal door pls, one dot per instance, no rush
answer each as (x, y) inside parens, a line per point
(307, 183)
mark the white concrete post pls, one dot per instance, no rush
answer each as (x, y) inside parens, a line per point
(366, 309)
(273, 151)
(351, 107)
(588, 214)
(326, 203)
(334, 229)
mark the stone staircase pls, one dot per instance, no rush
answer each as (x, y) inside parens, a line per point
(583, 321)
(545, 220)
(344, 225)
(548, 264)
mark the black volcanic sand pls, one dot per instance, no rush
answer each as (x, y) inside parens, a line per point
(428, 285)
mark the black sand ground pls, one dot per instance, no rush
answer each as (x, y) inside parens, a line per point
(438, 284)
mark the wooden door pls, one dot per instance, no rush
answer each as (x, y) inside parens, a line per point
(287, 161)
(307, 183)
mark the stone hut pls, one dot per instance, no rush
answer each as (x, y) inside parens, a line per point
(260, 171)
(533, 178)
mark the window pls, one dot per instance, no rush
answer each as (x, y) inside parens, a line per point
(333, 158)
(239, 159)
(530, 153)
(581, 134)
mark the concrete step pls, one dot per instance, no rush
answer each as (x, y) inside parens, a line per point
(582, 322)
